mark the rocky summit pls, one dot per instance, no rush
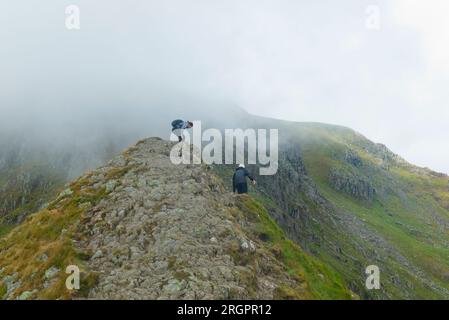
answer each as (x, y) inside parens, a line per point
(141, 227)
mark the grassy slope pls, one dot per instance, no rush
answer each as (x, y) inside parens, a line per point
(322, 282)
(407, 214)
(312, 269)
(49, 233)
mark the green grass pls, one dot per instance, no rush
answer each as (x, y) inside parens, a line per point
(49, 232)
(322, 282)
(3, 290)
(5, 229)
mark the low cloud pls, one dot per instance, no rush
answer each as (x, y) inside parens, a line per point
(134, 66)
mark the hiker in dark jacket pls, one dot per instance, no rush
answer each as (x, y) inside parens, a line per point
(239, 180)
(178, 126)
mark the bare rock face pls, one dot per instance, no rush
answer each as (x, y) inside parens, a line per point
(352, 185)
(353, 158)
(170, 231)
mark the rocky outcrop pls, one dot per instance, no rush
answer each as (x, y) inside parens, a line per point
(290, 180)
(168, 232)
(352, 185)
(353, 158)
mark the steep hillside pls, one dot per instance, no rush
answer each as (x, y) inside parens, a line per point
(354, 203)
(143, 228)
(405, 206)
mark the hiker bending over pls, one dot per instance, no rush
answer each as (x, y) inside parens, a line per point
(239, 179)
(178, 126)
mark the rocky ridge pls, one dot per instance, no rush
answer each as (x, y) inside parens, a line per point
(141, 227)
(168, 232)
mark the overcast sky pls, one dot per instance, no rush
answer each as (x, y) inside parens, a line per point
(326, 61)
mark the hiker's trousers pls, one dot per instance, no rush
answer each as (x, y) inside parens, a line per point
(241, 188)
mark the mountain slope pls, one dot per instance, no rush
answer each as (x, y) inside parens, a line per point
(354, 203)
(343, 199)
(143, 228)
(407, 207)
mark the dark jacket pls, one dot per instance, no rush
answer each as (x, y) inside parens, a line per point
(239, 177)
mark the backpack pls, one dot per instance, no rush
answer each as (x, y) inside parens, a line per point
(177, 124)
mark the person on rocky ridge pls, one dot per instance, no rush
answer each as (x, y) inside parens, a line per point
(178, 126)
(239, 179)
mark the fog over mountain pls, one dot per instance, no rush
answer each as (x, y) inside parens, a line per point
(357, 89)
(134, 66)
